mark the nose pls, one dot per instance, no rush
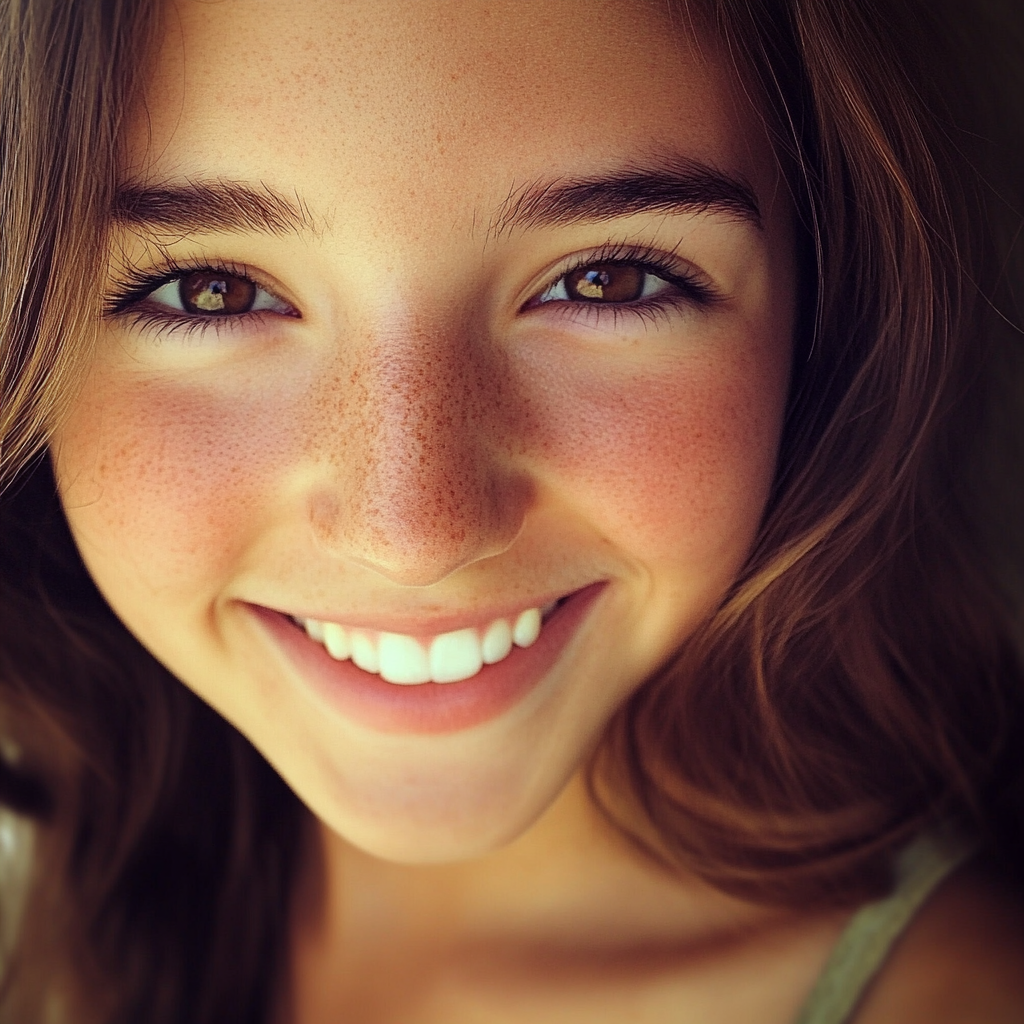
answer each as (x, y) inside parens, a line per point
(422, 481)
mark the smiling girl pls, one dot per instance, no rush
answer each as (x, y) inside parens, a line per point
(536, 433)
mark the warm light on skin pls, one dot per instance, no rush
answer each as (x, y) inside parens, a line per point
(418, 442)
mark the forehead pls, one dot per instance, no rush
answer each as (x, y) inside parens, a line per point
(429, 105)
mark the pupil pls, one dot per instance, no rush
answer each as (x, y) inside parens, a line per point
(219, 294)
(606, 283)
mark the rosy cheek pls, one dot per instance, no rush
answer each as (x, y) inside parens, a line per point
(678, 459)
(169, 478)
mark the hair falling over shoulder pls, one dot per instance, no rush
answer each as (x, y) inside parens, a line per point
(861, 680)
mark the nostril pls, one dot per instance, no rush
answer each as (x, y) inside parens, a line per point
(416, 543)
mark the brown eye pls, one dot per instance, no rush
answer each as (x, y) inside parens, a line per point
(605, 282)
(208, 292)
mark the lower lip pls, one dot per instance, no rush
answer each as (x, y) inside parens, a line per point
(429, 708)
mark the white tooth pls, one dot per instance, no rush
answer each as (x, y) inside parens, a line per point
(364, 652)
(402, 659)
(497, 641)
(335, 639)
(314, 629)
(455, 656)
(527, 627)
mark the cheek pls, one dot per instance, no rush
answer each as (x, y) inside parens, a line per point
(175, 485)
(170, 479)
(672, 462)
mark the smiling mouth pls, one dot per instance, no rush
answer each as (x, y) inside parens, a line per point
(410, 701)
(445, 658)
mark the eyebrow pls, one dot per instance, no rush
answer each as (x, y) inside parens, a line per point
(193, 207)
(676, 186)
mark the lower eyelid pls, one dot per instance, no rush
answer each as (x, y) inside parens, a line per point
(160, 322)
(662, 308)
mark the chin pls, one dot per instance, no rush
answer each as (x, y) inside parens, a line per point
(423, 840)
(439, 824)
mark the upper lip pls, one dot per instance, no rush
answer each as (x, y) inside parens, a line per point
(424, 624)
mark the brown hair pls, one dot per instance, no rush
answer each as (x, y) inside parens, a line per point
(858, 682)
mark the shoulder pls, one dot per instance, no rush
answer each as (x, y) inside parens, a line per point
(960, 962)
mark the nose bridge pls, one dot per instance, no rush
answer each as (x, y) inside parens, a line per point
(420, 490)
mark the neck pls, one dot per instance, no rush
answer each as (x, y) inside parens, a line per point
(570, 885)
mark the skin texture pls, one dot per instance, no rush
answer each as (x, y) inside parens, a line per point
(408, 436)
(417, 442)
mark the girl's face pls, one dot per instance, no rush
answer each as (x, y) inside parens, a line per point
(422, 316)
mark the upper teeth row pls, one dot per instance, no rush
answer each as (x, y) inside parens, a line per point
(447, 658)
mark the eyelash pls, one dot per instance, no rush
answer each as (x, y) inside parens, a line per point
(133, 287)
(691, 289)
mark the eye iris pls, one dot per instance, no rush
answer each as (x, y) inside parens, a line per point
(606, 282)
(221, 294)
